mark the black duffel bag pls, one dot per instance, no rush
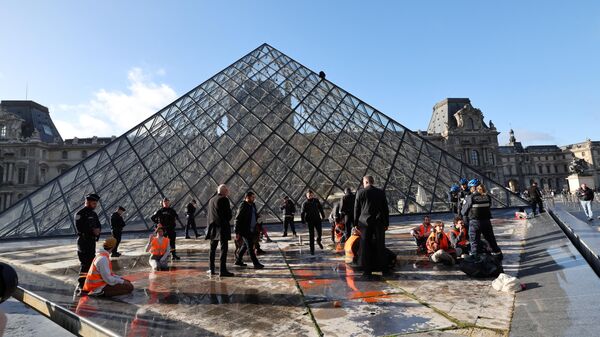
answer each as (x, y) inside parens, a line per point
(484, 266)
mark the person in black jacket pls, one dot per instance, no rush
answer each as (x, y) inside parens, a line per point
(535, 198)
(245, 226)
(371, 212)
(312, 214)
(586, 196)
(289, 208)
(88, 231)
(190, 214)
(347, 210)
(167, 216)
(116, 224)
(478, 207)
(219, 229)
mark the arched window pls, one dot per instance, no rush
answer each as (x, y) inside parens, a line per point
(2, 131)
(471, 124)
(474, 157)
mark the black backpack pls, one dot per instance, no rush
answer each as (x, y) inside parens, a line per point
(485, 266)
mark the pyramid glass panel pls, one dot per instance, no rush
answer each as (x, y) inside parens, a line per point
(266, 123)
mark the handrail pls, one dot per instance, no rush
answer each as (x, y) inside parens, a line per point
(67, 319)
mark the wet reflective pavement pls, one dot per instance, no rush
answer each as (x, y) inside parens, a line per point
(295, 295)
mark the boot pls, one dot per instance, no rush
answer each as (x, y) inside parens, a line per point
(175, 257)
(240, 263)
(259, 266)
(225, 273)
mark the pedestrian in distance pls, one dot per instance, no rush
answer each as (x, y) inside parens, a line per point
(311, 213)
(117, 224)
(246, 222)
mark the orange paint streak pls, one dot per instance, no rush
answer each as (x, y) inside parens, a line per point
(308, 284)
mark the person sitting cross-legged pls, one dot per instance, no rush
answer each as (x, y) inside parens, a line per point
(439, 247)
(158, 246)
(459, 237)
(100, 280)
(421, 233)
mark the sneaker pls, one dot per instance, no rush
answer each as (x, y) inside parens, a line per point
(591, 219)
(259, 266)
(226, 273)
(240, 263)
(210, 273)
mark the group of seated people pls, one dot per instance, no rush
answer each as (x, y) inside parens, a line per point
(440, 246)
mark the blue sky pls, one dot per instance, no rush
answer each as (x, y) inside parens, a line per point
(102, 66)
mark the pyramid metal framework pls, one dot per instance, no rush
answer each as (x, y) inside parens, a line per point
(265, 123)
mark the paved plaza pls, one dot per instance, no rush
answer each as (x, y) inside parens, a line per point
(295, 295)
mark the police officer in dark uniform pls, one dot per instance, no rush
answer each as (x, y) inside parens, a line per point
(88, 232)
(190, 214)
(463, 192)
(116, 225)
(167, 217)
(453, 198)
(477, 206)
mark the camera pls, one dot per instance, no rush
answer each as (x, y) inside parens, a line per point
(8, 281)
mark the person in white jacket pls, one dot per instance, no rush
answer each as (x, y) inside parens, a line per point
(100, 280)
(158, 246)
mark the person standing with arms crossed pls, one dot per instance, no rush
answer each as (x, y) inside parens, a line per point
(88, 232)
(312, 214)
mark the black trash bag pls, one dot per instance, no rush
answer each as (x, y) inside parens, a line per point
(8, 281)
(482, 267)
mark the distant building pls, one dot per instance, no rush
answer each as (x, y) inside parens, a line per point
(32, 151)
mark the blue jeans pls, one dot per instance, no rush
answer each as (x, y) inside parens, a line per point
(587, 208)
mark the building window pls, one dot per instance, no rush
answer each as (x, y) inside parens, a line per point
(83, 154)
(555, 168)
(540, 169)
(547, 168)
(2, 131)
(21, 175)
(44, 154)
(23, 153)
(65, 155)
(566, 168)
(475, 157)
(470, 124)
(1, 174)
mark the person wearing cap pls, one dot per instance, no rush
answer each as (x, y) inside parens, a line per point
(453, 198)
(347, 210)
(100, 280)
(167, 216)
(477, 208)
(289, 208)
(158, 246)
(116, 224)
(88, 232)
(464, 190)
(246, 222)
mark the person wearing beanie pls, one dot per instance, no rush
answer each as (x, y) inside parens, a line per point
(100, 280)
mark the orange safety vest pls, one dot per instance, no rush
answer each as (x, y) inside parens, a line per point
(444, 243)
(94, 280)
(351, 248)
(158, 249)
(422, 232)
(463, 239)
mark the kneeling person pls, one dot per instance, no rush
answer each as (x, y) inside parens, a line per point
(158, 246)
(100, 280)
(439, 248)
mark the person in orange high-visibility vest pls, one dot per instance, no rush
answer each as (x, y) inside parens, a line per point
(158, 246)
(439, 247)
(351, 247)
(459, 237)
(421, 233)
(100, 280)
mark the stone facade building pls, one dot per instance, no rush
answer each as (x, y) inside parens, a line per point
(32, 151)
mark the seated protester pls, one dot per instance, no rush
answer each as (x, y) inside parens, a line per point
(158, 246)
(439, 247)
(421, 233)
(100, 280)
(459, 237)
(351, 248)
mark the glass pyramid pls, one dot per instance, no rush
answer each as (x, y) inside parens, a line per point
(264, 123)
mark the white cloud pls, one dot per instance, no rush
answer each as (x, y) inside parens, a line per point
(114, 112)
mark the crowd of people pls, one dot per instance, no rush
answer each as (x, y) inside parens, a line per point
(367, 211)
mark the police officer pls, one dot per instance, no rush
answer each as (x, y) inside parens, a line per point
(116, 225)
(477, 206)
(88, 232)
(167, 217)
(463, 192)
(190, 213)
(453, 198)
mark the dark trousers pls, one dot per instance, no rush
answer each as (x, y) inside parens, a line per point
(86, 251)
(172, 235)
(372, 255)
(478, 228)
(288, 221)
(247, 245)
(213, 252)
(191, 222)
(349, 223)
(116, 233)
(421, 242)
(312, 226)
(535, 204)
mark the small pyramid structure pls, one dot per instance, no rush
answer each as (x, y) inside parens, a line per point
(266, 123)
